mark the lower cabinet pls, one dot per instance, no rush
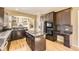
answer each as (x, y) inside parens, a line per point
(17, 34)
(36, 43)
(32, 44)
(30, 41)
(40, 43)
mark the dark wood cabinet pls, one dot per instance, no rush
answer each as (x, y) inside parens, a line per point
(67, 41)
(36, 43)
(1, 18)
(40, 44)
(63, 17)
(30, 41)
(17, 34)
(32, 44)
(59, 18)
(50, 17)
(1, 12)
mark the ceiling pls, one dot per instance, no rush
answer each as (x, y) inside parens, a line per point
(36, 10)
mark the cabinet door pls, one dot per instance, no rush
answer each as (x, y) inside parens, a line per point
(63, 17)
(59, 18)
(33, 44)
(46, 17)
(51, 16)
(29, 42)
(1, 23)
(66, 17)
(14, 35)
(1, 17)
(40, 43)
(14, 21)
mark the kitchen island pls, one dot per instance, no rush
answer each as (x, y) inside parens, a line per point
(36, 40)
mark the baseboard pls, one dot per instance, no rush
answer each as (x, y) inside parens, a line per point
(75, 48)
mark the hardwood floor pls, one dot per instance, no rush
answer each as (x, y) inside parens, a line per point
(21, 45)
(56, 46)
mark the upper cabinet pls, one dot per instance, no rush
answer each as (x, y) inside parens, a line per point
(17, 21)
(1, 12)
(63, 16)
(1, 18)
(31, 23)
(20, 21)
(59, 17)
(48, 17)
(14, 22)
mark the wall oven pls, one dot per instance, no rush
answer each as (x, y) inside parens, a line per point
(48, 27)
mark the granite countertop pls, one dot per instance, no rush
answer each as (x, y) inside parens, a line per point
(4, 37)
(35, 34)
(5, 34)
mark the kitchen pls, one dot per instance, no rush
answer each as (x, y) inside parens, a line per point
(35, 26)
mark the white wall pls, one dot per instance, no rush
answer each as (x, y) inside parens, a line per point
(74, 23)
(78, 28)
(38, 23)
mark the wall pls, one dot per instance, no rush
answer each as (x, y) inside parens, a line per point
(32, 18)
(74, 22)
(17, 13)
(78, 28)
(38, 23)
